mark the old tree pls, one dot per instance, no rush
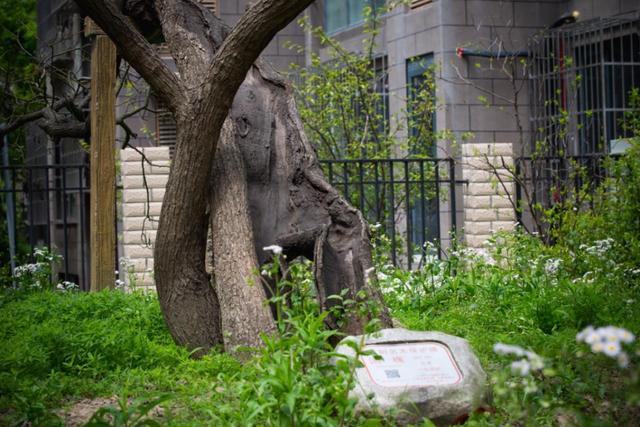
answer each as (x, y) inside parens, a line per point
(242, 166)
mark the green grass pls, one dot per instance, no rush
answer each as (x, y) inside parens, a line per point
(57, 348)
(517, 302)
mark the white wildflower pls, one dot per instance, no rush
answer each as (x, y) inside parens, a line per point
(529, 361)
(599, 247)
(623, 359)
(26, 269)
(505, 349)
(612, 348)
(277, 250)
(552, 266)
(607, 340)
(521, 367)
(535, 360)
(66, 286)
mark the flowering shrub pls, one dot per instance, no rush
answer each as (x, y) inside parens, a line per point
(38, 274)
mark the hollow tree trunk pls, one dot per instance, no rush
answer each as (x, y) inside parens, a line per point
(290, 201)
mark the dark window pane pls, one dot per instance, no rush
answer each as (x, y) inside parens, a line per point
(421, 118)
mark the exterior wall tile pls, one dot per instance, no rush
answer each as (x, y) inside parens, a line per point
(453, 12)
(152, 181)
(138, 224)
(134, 207)
(489, 13)
(140, 209)
(159, 167)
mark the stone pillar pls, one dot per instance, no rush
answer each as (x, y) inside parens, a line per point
(141, 211)
(487, 208)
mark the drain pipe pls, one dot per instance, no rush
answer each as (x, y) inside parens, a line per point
(462, 52)
(11, 221)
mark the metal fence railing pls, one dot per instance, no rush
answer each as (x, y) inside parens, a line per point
(414, 201)
(47, 205)
(545, 181)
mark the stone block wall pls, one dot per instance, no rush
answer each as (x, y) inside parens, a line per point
(487, 207)
(140, 211)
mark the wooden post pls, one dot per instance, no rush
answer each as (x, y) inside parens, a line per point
(103, 164)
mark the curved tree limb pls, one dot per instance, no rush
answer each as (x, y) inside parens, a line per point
(136, 50)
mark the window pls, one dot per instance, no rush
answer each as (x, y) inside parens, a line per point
(212, 5)
(166, 133)
(340, 14)
(421, 117)
(381, 85)
(423, 207)
(581, 75)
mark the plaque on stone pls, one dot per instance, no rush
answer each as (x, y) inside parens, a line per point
(418, 375)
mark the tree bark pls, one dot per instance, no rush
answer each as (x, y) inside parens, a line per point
(292, 204)
(245, 314)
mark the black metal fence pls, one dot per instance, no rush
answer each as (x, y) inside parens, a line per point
(545, 181)
(414, 201)
(47, 205)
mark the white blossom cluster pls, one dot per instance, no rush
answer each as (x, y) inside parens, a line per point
(475, 254)
(67, 286)
(28, 269)
(45, 254)
(529, 361)
(599, 247)
(552, 265)
(608, 340)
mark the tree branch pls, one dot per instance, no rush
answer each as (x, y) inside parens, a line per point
(137, 51)
(244, 44)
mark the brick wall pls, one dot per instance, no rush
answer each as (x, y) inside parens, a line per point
(487, 208)
(141, 210)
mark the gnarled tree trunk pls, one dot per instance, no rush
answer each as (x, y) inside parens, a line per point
(245, 314)
(289, 200)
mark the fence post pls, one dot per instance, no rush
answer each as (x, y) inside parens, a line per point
(11, 221)
(102, 163)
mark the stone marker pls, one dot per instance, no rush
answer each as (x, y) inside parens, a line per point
(422, 375)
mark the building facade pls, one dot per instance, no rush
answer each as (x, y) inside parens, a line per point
(506, 71)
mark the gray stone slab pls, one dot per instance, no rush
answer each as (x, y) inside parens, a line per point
(422, 375)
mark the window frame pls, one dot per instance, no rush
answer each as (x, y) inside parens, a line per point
(350, 24)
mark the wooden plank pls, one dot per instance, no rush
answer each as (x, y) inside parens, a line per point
(103, 164)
